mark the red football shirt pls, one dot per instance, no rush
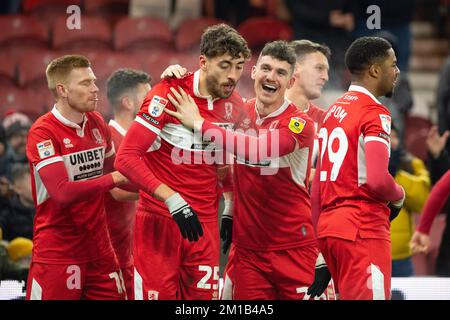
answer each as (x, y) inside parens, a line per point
(347, 205)
(316, 114)
(76, 233)
(177, 157)
(272, 204)
(120, 214)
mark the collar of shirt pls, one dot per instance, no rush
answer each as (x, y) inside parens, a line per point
(356, 88)
(67, 122)
(274, 114)
(113, 123)
(197, 91)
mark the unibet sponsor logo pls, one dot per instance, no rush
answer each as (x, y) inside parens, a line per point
(85, 164)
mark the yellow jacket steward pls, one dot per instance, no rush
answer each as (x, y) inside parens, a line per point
(417, 187)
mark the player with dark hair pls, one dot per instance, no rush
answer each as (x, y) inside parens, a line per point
(352, 185)
(126, 90)
(275, 246)
(69, 150)
(178, 181)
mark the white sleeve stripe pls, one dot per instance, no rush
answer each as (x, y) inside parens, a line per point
(44, 163)
(147, 125)
(368, 139)
(111, 152)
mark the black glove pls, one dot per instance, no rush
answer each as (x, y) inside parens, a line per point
(396, 206)
(394, 211)
(226, 228)
(185, 217)
(322, 277)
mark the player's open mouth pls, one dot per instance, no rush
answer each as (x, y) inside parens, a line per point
(269, 88)
(228, 87)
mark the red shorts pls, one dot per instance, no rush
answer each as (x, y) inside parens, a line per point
(228, 276)
(270, 275)
(127, 273)
(361, 269)
(97, 280)
(168, 267)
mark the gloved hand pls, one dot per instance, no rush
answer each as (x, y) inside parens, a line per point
(226, 228)
(185, 217)
(322, 277)
(394, 211)
(396, 206)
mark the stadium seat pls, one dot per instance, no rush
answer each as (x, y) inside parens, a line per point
(31, 68)
(20, 34)
(259, 30)
(143, 34)
(47, 11)
(105, 63)
(156, 62)
(7, 69)
(190, 31)
(95, 33)
(21, 100)
(110, 10)
(416, 131)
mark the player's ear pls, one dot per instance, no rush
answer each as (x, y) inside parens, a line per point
(61, 90)
(202, 60)
(126, 103)
(375, 70)
(291, 82)
(253, 74)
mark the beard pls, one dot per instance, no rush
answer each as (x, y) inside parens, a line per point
(214, 88)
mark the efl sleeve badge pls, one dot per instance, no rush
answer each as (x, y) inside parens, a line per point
(296, 125)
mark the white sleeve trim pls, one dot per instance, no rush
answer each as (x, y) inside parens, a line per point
(147, 125)
(368, 139)
(112, 151)
(46, 162)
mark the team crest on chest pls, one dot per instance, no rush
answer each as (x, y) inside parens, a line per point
(246, 123)
(157, 106)
(273, 125)
(97, 135)
(67, 143)
(228, 110)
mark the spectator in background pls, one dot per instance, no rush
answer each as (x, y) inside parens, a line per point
(401, 101)
(16, 127)
(10, 270)
(3, 147)
(411, 173)
(172, 11)
(443, 100)
(439, 164)
(395, 17)
(325, 22)
(16, 219)
(20, 250)
(237, 11)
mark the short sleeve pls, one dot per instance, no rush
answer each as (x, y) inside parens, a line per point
(42, 148)
(376, 124)
(301, 128)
